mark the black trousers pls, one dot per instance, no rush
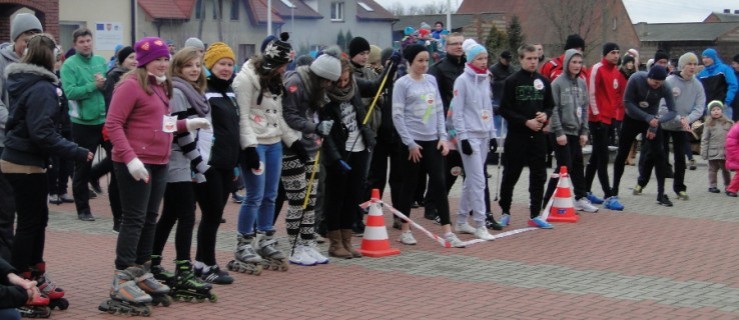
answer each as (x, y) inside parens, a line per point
(30, 192)
(178, 207)
(88, 137)
(679, 139)
(378, 172)
(7, 216)
(433, 165)
(211, 196)
(520, 150)
(598, 162)
(114, 196)
(344, 191)
(570, 156)
(629, 130)
(59, 172)
(140, 206)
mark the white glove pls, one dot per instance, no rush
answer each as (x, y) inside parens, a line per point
(197, 123)
(137, 170)
(324, 127)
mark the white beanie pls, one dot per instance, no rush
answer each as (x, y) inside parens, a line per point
(327, 65)
(685, 58)
(195, 43)
(24, 22)
(472, 49)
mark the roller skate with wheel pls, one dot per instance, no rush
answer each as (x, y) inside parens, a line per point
(187, 286)
(125, 295)
(266, 246)
(246, 260)
(36, 307)
(161, 274)
(157, 290)
(47, 287)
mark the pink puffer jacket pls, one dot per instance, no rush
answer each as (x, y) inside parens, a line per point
(732, 148)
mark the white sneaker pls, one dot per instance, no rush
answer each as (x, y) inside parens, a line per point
(302, 257)
(407, 238)
(454, 241)
(464, 228)
(584, 205)
(483, 234)
(313, 253)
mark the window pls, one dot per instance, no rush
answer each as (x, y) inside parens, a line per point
(199, 9)
(365, 6)
(235, 9)
(337, 11)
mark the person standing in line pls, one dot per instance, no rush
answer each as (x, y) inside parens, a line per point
(60, 169)
(605, 89)
(719, 81)
(569, 127)
(260, 91)
(472, 117)
(141, 130)
(185, 166)
(220, 149)
(418, 115)
(31, 138)
(556, 66)
(305, 96)
(713, 145)
(526, 104)
(642, 99)
(732, 159)
(690, 101)
(83, 82)
(22, 27)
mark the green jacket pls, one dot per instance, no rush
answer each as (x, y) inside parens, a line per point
(86, 102)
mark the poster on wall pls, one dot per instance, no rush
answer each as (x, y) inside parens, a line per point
(108, 35)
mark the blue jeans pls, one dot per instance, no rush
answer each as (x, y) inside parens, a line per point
(10, 314)
(261, 190)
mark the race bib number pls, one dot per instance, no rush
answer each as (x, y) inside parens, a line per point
(169, 124)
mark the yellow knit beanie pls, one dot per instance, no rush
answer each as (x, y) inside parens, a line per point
(218, 51)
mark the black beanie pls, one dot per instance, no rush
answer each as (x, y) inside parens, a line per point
(626, 59)
(410, 52)
(659, 55)
(574, 41)
(608, 47)
(123, 54)
(277, 52)
(657, 72)
(358, 45)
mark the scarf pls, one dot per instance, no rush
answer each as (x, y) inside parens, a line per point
(342, 94)
(219, 84)
(196, 100)
(160, 80)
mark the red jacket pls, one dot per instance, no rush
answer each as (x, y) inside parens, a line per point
(135, 122)
(606, 87)
(732, 148)
(552, 68)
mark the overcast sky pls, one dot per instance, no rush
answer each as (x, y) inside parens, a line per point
(652, 11)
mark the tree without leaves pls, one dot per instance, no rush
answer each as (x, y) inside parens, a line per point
(568, 17)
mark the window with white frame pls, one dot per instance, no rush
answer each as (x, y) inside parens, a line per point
(337, 11)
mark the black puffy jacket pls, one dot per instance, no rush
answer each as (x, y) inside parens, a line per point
(31, 134)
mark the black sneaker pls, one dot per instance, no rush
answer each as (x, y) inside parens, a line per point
(490, 222)
(92, 194)
(714, 190)
(216, 276)
(731, 194)
(95, 185)
(430, 213)
(85, 216)
(663, 200)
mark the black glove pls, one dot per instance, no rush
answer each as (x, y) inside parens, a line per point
(251, 158)
(466, 147)
(299, 151)
(395, 58)
(493, 145)
(370, 139)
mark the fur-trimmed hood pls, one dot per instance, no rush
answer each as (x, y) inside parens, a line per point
(23, 75)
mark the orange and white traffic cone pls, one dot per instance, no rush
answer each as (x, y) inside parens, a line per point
(563, 208)
(375, 242)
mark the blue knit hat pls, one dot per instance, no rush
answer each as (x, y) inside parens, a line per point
(472, 49)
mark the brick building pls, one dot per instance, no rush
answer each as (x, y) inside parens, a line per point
(47, 11)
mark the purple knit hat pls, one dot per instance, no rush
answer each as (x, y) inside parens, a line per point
(149, 49)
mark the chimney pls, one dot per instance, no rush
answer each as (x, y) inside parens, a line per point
(727, 10)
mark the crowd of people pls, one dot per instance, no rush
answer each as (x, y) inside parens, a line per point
(178, 127)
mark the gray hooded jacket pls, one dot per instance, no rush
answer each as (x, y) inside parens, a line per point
(570, 113)
(7, 56)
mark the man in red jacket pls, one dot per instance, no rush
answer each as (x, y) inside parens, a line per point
(606, 87)
(553, 68)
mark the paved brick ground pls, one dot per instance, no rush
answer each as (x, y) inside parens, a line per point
(648, 262)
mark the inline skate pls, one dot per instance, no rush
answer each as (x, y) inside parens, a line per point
(266, 247)
(125, 296)
(157, 290)
(47, 287)
(36, 307)
(246, 259)
(187, 286)
(161, 274)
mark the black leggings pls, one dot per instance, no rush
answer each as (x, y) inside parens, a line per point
(211, 196)
(433, 165)
(630, 129)
(344, 191)
(598, 158)
(178, 207)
